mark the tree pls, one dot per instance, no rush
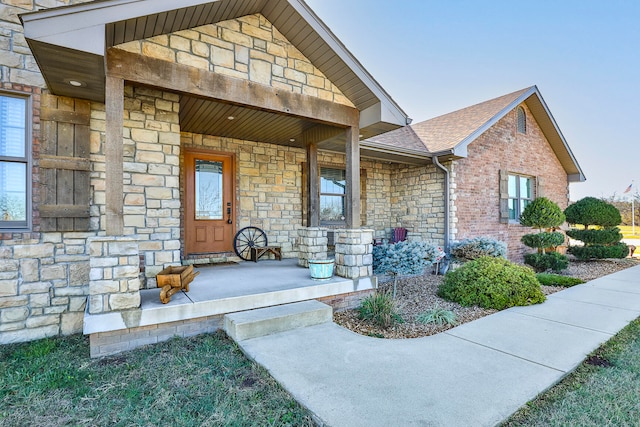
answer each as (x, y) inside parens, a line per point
(546, 215)
(602, 241)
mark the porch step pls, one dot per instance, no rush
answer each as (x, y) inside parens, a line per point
(245, 325)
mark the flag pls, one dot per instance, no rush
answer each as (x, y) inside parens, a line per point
(628, 188)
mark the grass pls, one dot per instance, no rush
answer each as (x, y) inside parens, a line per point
(627, 231)
(380, 308)
(438, 316)
(603, 391)
(200, 381)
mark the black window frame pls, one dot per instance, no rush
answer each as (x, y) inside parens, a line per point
(21, 226)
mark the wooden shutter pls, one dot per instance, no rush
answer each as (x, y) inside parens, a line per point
(504, 196)
(539, 187)
(64, 164)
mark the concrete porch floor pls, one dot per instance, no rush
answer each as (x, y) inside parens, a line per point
(221, 289)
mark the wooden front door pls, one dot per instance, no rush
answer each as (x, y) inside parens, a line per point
(209, 199)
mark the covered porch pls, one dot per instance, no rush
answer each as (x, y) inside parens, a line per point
(216, 291)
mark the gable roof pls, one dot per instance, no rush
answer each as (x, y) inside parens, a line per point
(450, 134)
(70, 42)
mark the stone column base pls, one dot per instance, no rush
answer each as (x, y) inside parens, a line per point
(312, 245)
(114, 282)
(354, 253)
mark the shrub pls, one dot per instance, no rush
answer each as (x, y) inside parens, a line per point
(404, 258)
(586, 253)
(591, 211)
(549, 261)
(491, 283)
(557, 280)
(543, 240)
(604, 236)
(380, 309)
(437, 316)
(542, 213)
(598, 243)
(474, 248)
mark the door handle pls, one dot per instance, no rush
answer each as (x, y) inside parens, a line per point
(229, 221)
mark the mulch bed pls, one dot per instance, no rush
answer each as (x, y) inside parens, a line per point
(418, 293)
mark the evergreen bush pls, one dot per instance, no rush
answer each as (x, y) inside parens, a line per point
(557, 280)
(476, 247)
(603, 236)
(590, 252)
(543, 240)
(601, 242)
(491, 283)
(591, 211)
(404, 258)
(547, 261)
(542, 213)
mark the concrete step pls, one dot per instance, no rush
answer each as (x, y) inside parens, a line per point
(245, 325)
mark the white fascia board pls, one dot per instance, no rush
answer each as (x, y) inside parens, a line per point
(64, 26)
(330, 39)
(90, 40)
(379, 113)
(579, 177)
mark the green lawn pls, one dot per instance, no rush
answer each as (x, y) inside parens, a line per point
(201, 381)
(627, 231)
(605, 392)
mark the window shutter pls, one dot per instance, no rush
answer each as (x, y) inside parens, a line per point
(64, 164)
(504, 196)
(539, 187)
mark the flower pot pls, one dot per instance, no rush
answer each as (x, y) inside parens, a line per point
(321, 269)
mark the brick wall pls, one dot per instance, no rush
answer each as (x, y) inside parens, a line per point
(476, 178)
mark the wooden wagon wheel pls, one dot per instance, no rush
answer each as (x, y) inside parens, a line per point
(247, 238)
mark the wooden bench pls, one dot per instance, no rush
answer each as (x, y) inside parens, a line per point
(257, 252)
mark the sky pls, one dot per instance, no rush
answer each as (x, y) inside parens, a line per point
(434, 57)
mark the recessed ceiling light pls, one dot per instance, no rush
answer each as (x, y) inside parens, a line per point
(230, 117)
(76, 83)
(292, 140)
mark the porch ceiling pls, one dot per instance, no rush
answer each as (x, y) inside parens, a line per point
(209, 117)
(69, 43)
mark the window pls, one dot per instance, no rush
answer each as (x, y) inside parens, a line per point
(522, 120)
(520, 195)
(14, 162)
(333, 186)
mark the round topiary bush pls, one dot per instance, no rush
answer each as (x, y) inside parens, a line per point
(491, 283)
(586, 253)
(542, 213)
(591, 211)
(548, 261)
(603, 236)
(543, 240)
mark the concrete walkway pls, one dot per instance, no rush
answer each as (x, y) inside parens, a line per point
(476, 374)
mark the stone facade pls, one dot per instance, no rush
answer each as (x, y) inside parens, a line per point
(248, 48)
(476, 180)
(354, 253)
